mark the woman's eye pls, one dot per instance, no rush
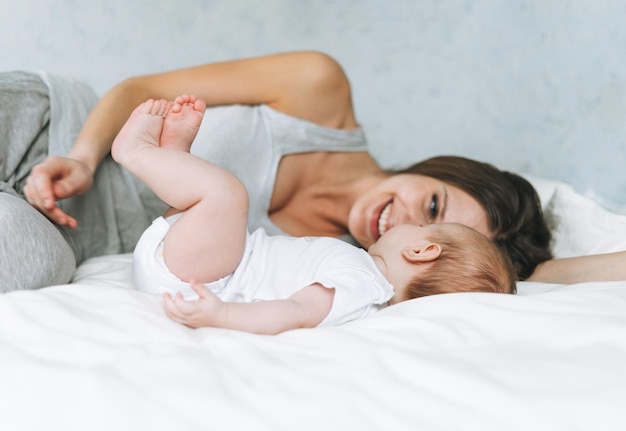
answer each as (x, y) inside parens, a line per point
(433, 209)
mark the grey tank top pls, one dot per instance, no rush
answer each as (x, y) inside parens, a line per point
(250, 141)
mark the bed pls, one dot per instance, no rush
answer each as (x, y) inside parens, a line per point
(97, 355)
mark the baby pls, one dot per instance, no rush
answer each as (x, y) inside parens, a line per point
(213, 272)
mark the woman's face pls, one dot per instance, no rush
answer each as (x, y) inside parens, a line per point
(413, 199)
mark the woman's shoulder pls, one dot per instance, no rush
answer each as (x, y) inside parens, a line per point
(317, 90)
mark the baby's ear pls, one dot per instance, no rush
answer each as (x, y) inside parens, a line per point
(426, 252)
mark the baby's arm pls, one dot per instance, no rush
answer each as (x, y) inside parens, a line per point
(306, 308)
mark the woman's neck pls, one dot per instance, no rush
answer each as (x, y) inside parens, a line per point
(316, 192)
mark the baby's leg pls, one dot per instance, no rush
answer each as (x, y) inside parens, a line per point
(207, 241)
(182, 122)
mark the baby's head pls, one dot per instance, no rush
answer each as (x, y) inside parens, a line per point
(443, 258)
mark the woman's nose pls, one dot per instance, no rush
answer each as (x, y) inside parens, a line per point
(414, 222)
(414, 218)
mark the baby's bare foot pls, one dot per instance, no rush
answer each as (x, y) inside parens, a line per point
(182, 122)
(142, 129)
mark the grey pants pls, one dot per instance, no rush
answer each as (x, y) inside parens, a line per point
(33, 253)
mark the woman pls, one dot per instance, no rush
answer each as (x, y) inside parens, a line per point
(307, 159)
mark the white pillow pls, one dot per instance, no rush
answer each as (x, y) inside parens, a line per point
(579, 225)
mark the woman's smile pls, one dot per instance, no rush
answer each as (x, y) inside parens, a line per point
(382, 221)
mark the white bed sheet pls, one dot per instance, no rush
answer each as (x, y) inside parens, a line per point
(98, 355)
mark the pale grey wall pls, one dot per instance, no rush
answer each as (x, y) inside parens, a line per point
(535, 86)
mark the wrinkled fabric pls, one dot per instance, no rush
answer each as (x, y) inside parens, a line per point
(33, 253)
(24, 121)
(42, 114)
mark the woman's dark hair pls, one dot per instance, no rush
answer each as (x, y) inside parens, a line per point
(512, 205)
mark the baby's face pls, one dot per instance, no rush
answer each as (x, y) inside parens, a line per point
(401, 251)
(408, 235)
(397, 238)
(406, 251)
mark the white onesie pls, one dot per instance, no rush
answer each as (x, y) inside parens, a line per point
(275, 267)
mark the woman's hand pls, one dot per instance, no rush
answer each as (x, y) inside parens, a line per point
(54, 179)
(205, 311)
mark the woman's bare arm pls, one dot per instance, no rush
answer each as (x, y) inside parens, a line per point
(307, 85)
(598, 267)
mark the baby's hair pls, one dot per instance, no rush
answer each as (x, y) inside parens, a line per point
(468, 263)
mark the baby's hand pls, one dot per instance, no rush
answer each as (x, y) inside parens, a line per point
(205, 311)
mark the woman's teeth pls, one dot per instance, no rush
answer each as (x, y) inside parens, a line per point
(383, 219)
